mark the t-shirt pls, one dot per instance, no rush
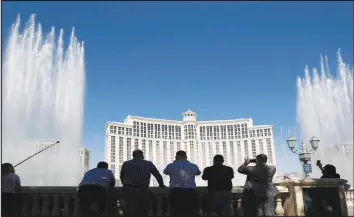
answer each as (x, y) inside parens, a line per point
(8, 183)
(99, 176)
(182, 174)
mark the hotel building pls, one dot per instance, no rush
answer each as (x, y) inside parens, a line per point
(160, 139)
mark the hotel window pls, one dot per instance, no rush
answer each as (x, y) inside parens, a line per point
(237, 130)
(178, 146)
(178, 132)
(128, 131)
(129, 148)
(111, 129)
(244, 130)
(216, 133)
(202, 132)
(245, 144)
(217, 148)
(258, 135)
(261, 147)
(120, 131)
(239, 154)
(144, 130)
(157, 131)
(269, 132)
(172, 151)
(211, 154)
(166, 132)
(261, 132)
(143, 146)
(169, 132)
(224, 150)
(136, 144)
(173, 132)
(265, 132)
(185, 132)
(190, 131)
(254, 152)
(137, 129)
(209, 132)
(223, 132)
(134, 128)
(232, 153)
(191, 143)
(270, 153)
(149, 128)
(230, 132)
(158, 152)
(150, 150)
(164, 152)
(113, 144)
(113, 158)
(121, 145)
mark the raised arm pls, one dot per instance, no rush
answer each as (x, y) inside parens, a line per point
(157, 175)
(113, 180)
(243, 169)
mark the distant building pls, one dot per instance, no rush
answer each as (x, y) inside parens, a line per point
(85, 158)
(160, 140)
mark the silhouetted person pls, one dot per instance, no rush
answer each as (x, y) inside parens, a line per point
(219, 179)
(135, 176)
(94, 190)
(10, 187)
(328, 171)
(260, 178)
(182, 196)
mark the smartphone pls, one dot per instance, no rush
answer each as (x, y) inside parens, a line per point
(318, 162)
(253, 160)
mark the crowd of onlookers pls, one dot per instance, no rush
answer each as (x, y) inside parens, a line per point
(258, 198)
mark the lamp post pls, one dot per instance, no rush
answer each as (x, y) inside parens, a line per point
(304, 152)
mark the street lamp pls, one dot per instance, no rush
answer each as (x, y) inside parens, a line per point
(304, 152)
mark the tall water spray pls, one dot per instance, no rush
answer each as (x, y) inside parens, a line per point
(43, 101)
(325, 110)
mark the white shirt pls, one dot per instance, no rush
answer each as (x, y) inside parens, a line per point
(8, 183)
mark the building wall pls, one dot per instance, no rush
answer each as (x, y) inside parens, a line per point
(161, 139)
(84, 158)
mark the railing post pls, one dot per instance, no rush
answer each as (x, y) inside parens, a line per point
(201, 204)
(159, 204)
(239, 209)
(67, 200)
(279, 210)
(25, 205)
(76, 211)
(36, 209)
(46, 204)
(56, 205)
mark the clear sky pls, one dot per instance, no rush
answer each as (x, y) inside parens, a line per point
(223, 60)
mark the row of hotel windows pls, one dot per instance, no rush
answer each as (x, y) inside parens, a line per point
(167, 157)
(157, 131)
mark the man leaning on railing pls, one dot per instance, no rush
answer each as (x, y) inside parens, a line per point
(94, 190)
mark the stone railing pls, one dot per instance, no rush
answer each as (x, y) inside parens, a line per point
(350, 201)
(63, 201)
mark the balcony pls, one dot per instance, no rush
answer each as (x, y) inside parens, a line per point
(63, 201)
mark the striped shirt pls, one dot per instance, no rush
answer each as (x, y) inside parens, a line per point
(137, 173)
(182, 174)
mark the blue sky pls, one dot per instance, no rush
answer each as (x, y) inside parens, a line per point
(223, 60)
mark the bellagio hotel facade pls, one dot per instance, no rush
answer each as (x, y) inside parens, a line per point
(160, 139)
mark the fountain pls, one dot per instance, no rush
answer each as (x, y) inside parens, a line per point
(43, 101)
(325, 110)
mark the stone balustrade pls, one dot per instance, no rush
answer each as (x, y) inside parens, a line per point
(63, 201)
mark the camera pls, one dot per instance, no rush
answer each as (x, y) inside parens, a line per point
(252, 160)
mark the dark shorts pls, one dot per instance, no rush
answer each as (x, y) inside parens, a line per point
(93, 199)
(10, 205)
(183, 202)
